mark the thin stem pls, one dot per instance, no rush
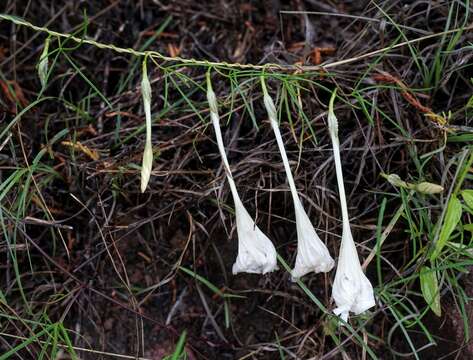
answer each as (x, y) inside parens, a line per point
(285, 161)
(333, 128)
(271, 110)
(341, 186)
(268, 66)
(218, 134)
(147, 104)
(221, 148)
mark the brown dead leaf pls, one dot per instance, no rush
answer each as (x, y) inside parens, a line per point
(14, 94)
(173, 50)
(410, 97)
(317, 53)
(93, 154)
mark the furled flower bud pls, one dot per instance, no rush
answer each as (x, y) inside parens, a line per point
(352, 291)
(148, 152)
(256, 253)
(422, 187)
(312, 254)
(43, 64)
(428, 188)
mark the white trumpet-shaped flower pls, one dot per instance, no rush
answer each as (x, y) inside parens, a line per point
(256, 253)
(147, 163)
(312, 254)
(352, 291)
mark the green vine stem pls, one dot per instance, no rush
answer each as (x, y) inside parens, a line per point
(267, 67)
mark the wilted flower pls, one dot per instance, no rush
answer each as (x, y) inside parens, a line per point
(395, 180)
(256, 253)
(352, 291)
(148, 152)
(312, 254)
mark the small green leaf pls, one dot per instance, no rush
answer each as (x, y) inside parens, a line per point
(211, 286)
(450, 222)
(430, 289)
(468, 227)
(467, 196)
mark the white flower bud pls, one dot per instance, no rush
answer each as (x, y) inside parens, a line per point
(422, 187)
(256, 253)
(312, 254)
(428, 188)
(147, 163)
(43, 64)
(352, 291)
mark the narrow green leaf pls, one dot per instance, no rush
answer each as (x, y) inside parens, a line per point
(207, 283)
(23, 344)
(430, 289)
(452, 218)
(467, 196)
(180, 346)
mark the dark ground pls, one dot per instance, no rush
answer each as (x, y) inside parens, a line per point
(121, 282)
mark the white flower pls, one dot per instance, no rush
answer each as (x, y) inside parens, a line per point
(256, 253)
(148, 152)
(352, 291)
(312, 254)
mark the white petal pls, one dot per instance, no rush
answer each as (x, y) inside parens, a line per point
(256, 253)
(312, 254)
(352, 291)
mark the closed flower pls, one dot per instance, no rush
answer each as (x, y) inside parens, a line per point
(256, 253)
(352, 291)
(147, 163)
(312, 254)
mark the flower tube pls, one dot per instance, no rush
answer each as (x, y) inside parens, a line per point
(352, 291)
(256, 253)
(148, 152)
(312, 254)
